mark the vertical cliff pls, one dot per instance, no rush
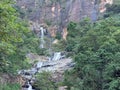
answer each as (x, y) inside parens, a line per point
(103, 3)
(57, 13)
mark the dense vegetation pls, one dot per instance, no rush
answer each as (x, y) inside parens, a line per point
(95, 48)
(45, 82)
(16, 40)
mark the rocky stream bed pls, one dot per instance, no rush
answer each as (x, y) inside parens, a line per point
(56, 65)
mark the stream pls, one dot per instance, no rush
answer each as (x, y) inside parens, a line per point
(57, 62)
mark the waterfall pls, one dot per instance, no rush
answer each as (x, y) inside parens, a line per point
(27, 86)
(52, 64)
(30, 87)
(42, 30)
(56, 56)
(39, 65)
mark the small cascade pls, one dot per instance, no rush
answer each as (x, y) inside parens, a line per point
(50, 65)
(39, 65)
(27, 86)
(30, 87)
(56, 56)
(42, 31)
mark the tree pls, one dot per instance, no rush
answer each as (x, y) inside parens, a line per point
(44, 82)
(96, 50)
(16, 40)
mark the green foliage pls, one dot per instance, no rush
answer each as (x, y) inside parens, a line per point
(48, 22)
(22, 13)
(10, 87)
(41, 51)
(112, 10)
(96, 49)
(58, 35)
(16, 40)
(75, 33)
(45, 82)
(116, 1)
(59, 46)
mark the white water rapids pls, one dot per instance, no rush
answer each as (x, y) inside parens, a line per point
(57, 56)
(56, 63)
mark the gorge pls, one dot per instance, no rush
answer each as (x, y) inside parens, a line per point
(59, 45)
(56, 15)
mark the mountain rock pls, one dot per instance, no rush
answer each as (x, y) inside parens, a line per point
(56, 14)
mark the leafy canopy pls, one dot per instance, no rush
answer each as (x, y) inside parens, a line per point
(95, 48)
(16, 40)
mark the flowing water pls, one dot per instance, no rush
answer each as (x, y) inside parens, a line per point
(42, 42)
(56, 56)
(27, 86)
(30, 87)
(40, 66)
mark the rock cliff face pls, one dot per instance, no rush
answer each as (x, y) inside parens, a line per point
(57, 13)
(103, 3)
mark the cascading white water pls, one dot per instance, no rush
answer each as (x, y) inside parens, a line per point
(30, 87)
(52, 65)
(27, 86)
(42, 30)
(56, 56)
(39, 65)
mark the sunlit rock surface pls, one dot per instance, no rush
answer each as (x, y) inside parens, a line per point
(57, 14)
